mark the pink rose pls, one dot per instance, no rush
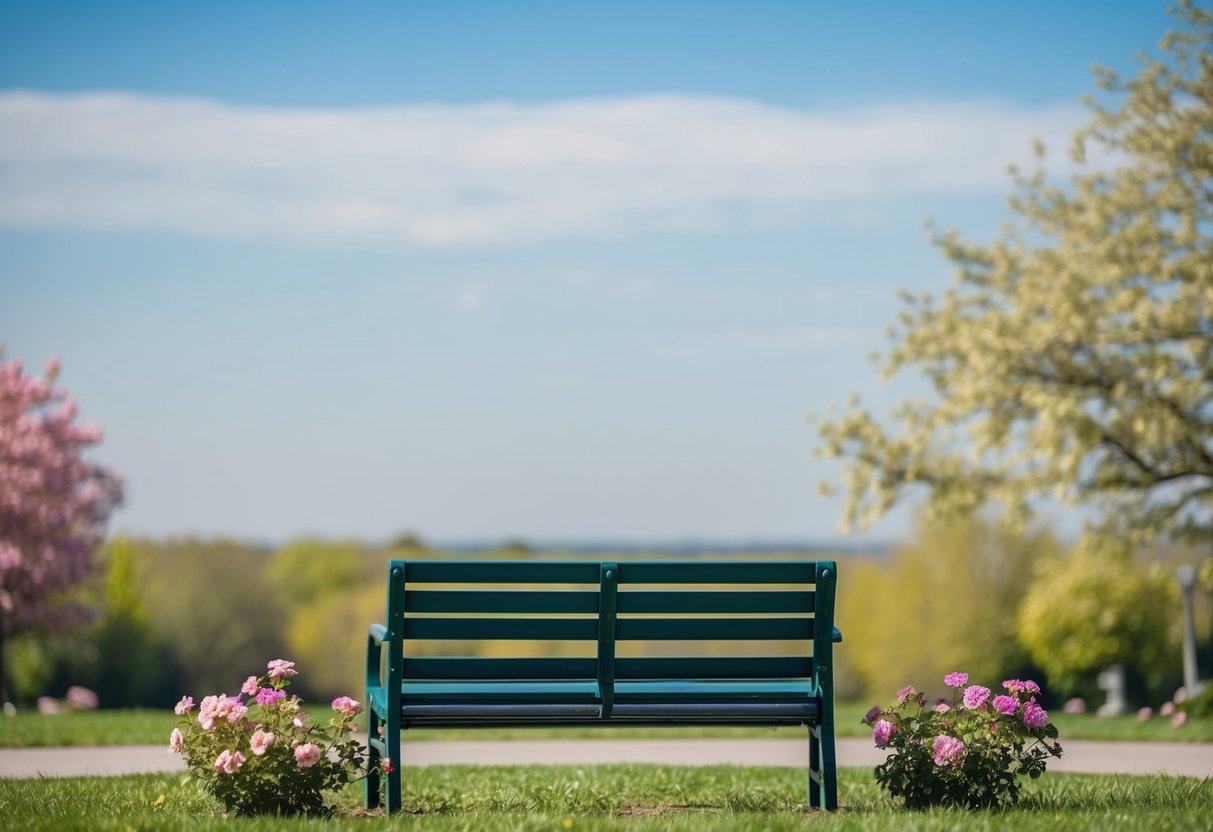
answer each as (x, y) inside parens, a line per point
(268, 696)
(976, 696)
(281, 669)
(1179, 719)
(260, 742)
(882, 732)
(956, 679)
(1006, 705)
(249, 688)
(212, 709)
(946, 751)
(176, 741)
(905, 693)
(346, 706)
(1167, 709)
(871, 715)
(307, 754)
(184, 706)
(942, 706)
(1034, 716)
(1144, 714)
(228, 762)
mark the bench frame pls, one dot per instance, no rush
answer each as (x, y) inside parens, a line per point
(812, 706)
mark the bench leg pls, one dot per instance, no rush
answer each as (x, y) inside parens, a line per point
(814, 767)
(392, 742)
(823, 770)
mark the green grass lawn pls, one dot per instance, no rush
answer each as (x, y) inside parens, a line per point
(617, 797)
(151, 727)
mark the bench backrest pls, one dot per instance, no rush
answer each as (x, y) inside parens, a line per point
(778, 616)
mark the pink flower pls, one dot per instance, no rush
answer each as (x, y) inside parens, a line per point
(307, 755)
(249, 688)
(260, 742)
(1006, 705)
(1075, 705)
(212, 709)
(905, 693)
(956, 679)
(942, 706)
(300, 720)
(1180, 695)
(346, 706)
(1167, 709)
(1031, 687)
(281, 669)
(1014, 685)
(228, 762)
(946, 751)
(882, 732)
(1144, 714)
(176, 741)
(268, 696)
(1034, 716)
(976, 696)
(871, 715)
(388, 766)
(1179, 719)
(184, 706)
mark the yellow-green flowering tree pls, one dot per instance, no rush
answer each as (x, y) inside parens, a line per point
(1073, 356)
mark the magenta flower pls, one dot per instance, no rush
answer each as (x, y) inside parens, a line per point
(871, 715)
(947, 751)
(1034, 716)
(956, 679)
(346, 706)
(976, 696)
(1031, 687)
(882, 732)
(307, 755)
(1014, 685)
(268, 696)
(184, 706)
(281, 669)
(905, 693)
(1006, 705)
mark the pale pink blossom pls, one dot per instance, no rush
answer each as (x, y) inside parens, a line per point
(281, 669)
(307, 754)
(176, 741)
(212, 709)
(1181, 694)
(1074, 705)
(250, 686)
(346, 706)
(1167, 709)
(261, 741)
(947, 751)
(300, 719)
(942, 706)
(956, 679)
(905, 693)
(228, 762)
(882, 732)
(1006, 705)
(184, 706)
(1179, 719)
(1145, 713)
(976, 696)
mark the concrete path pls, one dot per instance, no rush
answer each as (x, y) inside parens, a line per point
(1191, 759)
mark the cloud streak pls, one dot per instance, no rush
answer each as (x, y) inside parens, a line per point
(486, 174)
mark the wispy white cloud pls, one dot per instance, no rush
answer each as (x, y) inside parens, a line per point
(486, 173)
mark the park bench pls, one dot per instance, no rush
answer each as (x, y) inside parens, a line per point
(615, 611)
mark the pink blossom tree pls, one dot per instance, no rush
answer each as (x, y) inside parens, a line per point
(53, 503)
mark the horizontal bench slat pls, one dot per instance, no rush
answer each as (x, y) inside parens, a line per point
(525, 601)
(563, 629)
(694, 629)
(455, 668)
(672, 601)
(500, 572)
(714, 667)
(738, 572)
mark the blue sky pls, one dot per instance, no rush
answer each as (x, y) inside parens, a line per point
(489, 270)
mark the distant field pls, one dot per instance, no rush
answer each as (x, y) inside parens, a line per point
(149, 727)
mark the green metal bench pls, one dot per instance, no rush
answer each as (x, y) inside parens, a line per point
(611, 608)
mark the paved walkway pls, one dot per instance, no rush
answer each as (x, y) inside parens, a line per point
(1191, 759)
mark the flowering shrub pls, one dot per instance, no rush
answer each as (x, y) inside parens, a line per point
(965, 751)
(257, 751)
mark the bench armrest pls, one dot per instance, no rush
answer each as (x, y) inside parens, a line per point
(376, 636)
(378, 632)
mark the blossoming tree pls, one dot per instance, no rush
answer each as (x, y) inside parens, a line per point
(1074, 355)
(53, 503)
